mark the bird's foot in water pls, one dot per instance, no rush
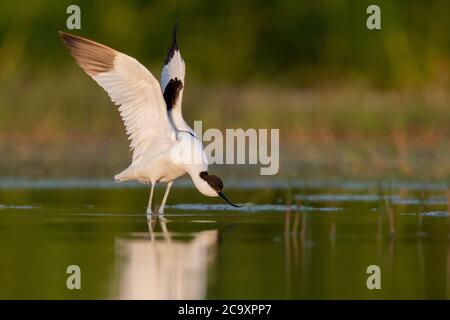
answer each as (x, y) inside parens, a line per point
(150, 212)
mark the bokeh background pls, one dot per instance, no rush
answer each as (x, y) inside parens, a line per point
(349, 102)
(365, 144)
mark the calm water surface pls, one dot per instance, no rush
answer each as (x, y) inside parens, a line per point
(314, 240)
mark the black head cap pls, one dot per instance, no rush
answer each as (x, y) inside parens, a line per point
(216, 183)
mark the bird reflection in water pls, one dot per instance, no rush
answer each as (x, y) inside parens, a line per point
(164, 265)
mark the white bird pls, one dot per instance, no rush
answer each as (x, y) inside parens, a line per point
(163, 144)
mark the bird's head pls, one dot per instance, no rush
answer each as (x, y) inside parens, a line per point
(212, 186)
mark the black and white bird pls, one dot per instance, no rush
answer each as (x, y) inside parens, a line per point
(151, 113)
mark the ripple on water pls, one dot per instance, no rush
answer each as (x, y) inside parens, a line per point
(435, 214)
(370, 198)
(248, 207)
(15, 183)
(24, 207)
(427, 214)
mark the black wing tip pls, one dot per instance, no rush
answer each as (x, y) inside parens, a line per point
(174, 45)
(70, 39)
(65, 36)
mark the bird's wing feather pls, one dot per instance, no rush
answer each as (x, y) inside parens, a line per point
(131, 87)
(172, 84)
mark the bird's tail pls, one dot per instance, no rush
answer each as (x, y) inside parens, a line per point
(125, 175)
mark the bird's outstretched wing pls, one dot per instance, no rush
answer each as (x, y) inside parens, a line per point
(131, 87)
(172, 82)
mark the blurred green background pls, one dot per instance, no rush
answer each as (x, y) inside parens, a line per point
(349, 102)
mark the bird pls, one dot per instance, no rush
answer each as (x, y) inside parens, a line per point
(163, 145)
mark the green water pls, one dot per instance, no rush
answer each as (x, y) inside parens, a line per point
(320, 248)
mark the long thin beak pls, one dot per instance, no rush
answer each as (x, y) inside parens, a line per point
(225, 198)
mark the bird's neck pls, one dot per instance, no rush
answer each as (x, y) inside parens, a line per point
(179, 122)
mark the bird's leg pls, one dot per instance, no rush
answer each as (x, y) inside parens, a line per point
(151, 221)
(165, 231)
(149, 207)
(163, 203)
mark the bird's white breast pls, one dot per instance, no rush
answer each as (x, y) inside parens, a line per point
(185, 156)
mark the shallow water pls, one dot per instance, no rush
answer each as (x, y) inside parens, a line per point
(314, 240)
